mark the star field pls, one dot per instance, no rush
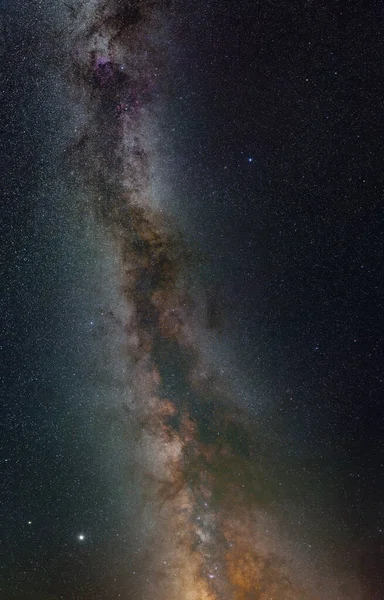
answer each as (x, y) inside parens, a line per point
(192, 300)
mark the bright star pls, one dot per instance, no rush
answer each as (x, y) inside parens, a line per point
(250, 159)
(81, 537)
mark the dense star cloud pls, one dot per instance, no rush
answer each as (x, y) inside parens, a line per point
(176, 194)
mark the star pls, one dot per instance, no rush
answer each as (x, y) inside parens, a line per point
(81, 537)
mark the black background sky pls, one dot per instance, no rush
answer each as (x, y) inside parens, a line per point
(275, 113)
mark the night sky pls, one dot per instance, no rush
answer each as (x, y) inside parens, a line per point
(192, 300)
